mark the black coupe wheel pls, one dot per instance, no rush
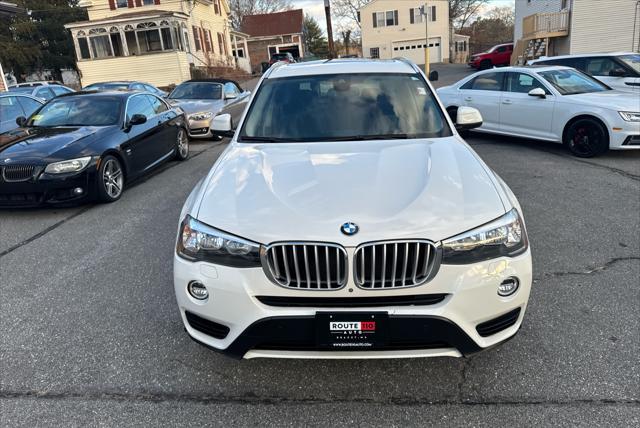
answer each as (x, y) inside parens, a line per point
(586, 138)
(182, 145)
(110, 179)
(485, 64)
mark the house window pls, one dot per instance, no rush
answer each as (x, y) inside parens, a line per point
(100, 47)
(216, 7)
(167, 41)
(122, 4)
(374, 52)
(148, 35)
(84, 48)
(392, 18)
(148, 2)
(238, 52)
(207, 41)
(220, 43)
(196, 38)
(385, 19)
(415, 16)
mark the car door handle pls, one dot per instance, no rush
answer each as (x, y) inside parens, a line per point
(507, 102)
(467, 98)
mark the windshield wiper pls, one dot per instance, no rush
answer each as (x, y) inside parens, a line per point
(267, 139)
(369, 137)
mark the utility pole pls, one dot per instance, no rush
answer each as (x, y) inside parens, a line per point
(327, 12)
(425, 14)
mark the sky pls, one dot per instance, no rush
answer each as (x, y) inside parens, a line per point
(315, 8)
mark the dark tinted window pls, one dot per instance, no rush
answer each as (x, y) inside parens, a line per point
(140, 104)
(10, 108)
(345, 107)
(79, 111)
(485, 82)
(59, 90)
(197, 91)
(28, 105)
(577, 63)
(523, 83)
(600, 66)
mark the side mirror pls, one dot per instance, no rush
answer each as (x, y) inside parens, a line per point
(468, 118)
(617, 72)
(222, 125)
(137, 119)
(21, 121)
(229, 95)
(433, 76)
(537, 92)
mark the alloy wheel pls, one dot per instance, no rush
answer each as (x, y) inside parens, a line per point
(183, 144)
(112, 178)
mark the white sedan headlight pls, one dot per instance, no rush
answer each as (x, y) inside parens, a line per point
(203, 115)
(200, 242)
(72, 165)
(630, 116)
(504, 236)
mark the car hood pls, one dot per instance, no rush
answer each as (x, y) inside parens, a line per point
(44, 145)
(615, 100)
(429, 189)
(197, 106)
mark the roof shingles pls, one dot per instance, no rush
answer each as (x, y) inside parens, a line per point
(273, 24)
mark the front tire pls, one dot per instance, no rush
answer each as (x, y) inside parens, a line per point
(110, 179)
(586, 138)
(182, 145)
(485, 64)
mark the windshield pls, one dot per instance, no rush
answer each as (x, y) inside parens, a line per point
(78, 111)
(344, 107)
(106, 86)
(632, 61)
(197, 91)
(571, 82)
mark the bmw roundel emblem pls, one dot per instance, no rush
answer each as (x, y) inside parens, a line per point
(349, 228)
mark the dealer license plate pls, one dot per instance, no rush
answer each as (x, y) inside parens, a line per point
(351, 330)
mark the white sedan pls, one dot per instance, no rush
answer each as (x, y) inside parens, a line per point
(552, 103)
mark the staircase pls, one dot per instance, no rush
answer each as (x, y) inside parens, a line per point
(537, 29)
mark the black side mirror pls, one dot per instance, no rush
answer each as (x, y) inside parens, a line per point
(137, 119)
(617, 72)
(21, 121)
(433, 76)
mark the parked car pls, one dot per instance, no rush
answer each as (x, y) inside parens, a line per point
(348, 219)
(282, 56)
(125, 86)
(36, 83)
(43, 92)
(86, 146)
(499, 55)
(13, 106)
(552, 103)
(619, 70)
(202, 99)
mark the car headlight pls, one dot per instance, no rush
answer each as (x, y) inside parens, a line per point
(504, 236)
(200, 242)
(630, 116)
(72, 165)
(203, 115)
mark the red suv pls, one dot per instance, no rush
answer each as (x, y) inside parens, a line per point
(497, 55)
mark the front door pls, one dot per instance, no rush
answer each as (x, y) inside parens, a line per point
(523, 114)
(142, 147)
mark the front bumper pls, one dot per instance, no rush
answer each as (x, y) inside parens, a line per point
(200, 129)
(48, 189)
(238, 323)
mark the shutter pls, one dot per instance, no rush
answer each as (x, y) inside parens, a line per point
(433, 13)
(112, 4)
(138, 3)
(156, 1)
(395, 17)
(411, 16)
(375, 20)
(129, 3)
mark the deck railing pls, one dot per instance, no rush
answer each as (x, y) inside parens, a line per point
(552, 24)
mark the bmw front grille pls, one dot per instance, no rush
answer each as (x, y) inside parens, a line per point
(395, 264)
(306, 265)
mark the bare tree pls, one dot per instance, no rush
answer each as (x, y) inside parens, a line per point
(506, 14)
(461, 12)
(242, 8)
(348, 10)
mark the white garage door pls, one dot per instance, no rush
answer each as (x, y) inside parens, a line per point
(414, 50)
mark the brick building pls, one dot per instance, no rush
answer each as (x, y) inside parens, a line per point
(274, 33)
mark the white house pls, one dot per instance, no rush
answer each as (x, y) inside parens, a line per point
(398, 29)
(561, 27)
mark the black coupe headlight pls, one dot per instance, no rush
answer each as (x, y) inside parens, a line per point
(200, 242)
(504, 236)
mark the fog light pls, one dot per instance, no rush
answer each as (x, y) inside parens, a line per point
(78, 191)
(197, 290)
(508, 286)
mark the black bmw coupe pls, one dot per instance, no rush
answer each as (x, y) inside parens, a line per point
(86, 146)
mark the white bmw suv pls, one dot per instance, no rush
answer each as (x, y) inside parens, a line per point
(348, 219)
